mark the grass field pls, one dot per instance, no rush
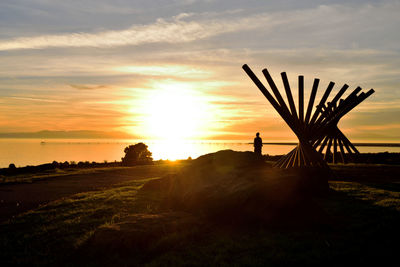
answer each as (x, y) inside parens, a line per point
(53, 173)
(364, 217)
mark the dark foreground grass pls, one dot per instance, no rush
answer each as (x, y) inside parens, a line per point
(52, 173)
(363, 229)
(52, 233)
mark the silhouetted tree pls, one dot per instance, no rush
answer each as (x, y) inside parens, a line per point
(55, 164)
(137, 155)
(65, 164)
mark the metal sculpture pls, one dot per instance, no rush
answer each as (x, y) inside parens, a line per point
(317, 131)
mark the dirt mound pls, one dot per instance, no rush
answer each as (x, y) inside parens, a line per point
(222, 191)
(236, 187)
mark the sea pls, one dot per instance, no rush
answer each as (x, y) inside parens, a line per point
(23, 152)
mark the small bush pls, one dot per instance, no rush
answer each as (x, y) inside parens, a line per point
(55, 164)
(137, 155)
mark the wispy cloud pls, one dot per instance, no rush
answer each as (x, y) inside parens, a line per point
(36, 99)
(328, 25)
(165, 70)
(380, 127)
(173, 31)
(88, 87)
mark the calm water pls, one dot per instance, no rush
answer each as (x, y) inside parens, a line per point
(24, 152)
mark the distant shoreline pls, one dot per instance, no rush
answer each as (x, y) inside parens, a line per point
(356, 144)
(44, 140)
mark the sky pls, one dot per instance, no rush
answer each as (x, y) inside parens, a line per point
(172, 69)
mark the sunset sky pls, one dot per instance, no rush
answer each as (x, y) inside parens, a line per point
(172, 69)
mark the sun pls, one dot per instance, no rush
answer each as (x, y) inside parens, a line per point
(175, 111)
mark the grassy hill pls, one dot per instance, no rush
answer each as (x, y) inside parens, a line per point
(194, 216)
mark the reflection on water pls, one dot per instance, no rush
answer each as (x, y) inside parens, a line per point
(24, 152)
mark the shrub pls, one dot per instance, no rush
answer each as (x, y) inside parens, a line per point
(55, 164)
(137, 155)
(65, 164)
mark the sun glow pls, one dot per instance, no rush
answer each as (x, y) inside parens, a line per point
(175, 112)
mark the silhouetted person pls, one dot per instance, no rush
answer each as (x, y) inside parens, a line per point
(257, 144)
